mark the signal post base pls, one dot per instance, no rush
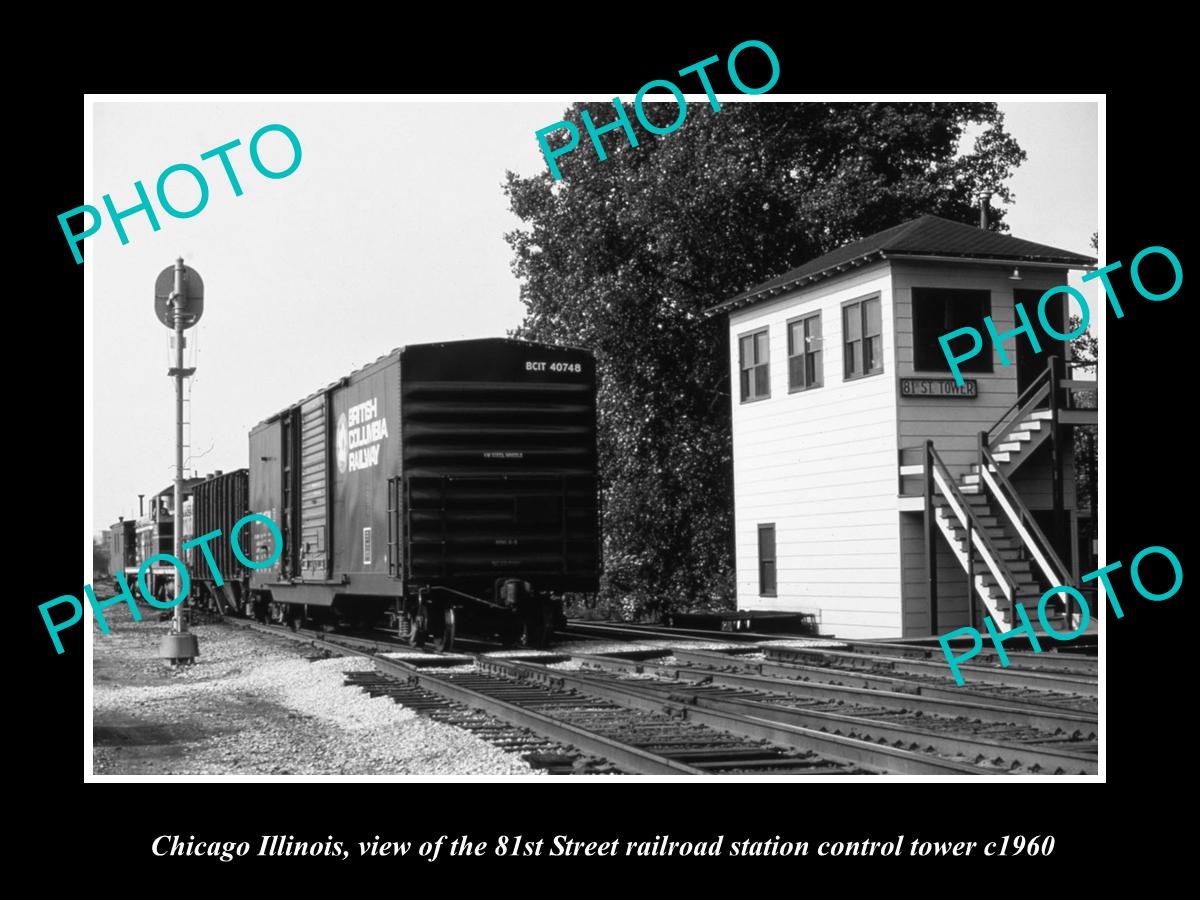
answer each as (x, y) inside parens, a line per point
(179, 649)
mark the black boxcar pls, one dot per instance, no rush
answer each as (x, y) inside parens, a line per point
(216, 504)
(443, 481)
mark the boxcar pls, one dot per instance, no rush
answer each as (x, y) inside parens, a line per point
(216, 504)
(453, 485)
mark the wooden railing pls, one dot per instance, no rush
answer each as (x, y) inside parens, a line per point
(1052, 390)
(937, 475)
(1030, 400)
(1023, 522)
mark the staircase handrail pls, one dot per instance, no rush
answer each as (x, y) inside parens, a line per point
(1022, 519)
(1037, 391)
(957, 501)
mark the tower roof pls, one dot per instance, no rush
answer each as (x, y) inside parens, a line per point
(921, 237)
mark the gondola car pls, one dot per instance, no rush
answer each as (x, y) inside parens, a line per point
(452, 486)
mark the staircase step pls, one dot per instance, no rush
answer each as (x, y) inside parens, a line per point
(993, 534)
(978, 502)
(1000, 538)
(1042, 414)
(975, 471)
(1011, 557)
(1014, 447)
(1031, 425)
(1020, 436)
(1021, 576)
(1008, 556)
(1001, 457)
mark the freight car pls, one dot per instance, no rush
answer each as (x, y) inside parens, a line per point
(216, 504)
(449, 486)
(122, 548)
(155, 533)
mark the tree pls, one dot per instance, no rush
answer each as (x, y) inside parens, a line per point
(1085, 355)
(100, 557)
(624, 255)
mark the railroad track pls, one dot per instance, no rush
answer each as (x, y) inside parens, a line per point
(719, 723)
(568, 727)
(579, 628)
(994, 737)
(923, 692)
(1011, 688)
(552, 756)
(1049, 661)
(1029, 679)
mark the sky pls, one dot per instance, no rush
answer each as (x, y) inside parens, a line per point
(390, 232)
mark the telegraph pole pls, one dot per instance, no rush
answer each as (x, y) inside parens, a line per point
(178, 303)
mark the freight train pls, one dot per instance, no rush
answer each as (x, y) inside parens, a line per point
(132, 541)
(445, 487)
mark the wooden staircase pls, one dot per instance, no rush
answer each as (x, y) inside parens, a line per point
(984, 520)
(1018, 443)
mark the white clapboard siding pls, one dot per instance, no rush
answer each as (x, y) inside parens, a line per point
(821, 466)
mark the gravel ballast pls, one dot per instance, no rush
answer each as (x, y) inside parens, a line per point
(253, 705)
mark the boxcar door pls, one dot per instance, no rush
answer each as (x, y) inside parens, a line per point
(314, 489)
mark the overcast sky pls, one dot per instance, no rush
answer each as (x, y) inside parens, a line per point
(390, 232)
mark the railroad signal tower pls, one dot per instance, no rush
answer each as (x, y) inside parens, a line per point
(179, 303)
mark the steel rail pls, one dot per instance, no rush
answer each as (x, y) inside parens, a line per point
(662, 632)
(1022, 678)
(893, 693)
(1047, 660)
(628, 757)
(853, 750)
(1066, 760)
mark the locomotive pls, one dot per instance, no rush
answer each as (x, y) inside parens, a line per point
(131, 542)
(444, 487)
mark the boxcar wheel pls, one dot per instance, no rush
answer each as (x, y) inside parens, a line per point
(444, 639)
(539, 627)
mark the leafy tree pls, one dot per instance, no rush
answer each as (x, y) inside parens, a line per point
(1085, 356)
(624, 255)
(100, 558)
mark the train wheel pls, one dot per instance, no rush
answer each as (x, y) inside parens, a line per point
(512, 632)
(539, 627)
(420, 626)
(444, 639)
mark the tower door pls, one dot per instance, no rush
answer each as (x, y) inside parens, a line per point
(1029, 364)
